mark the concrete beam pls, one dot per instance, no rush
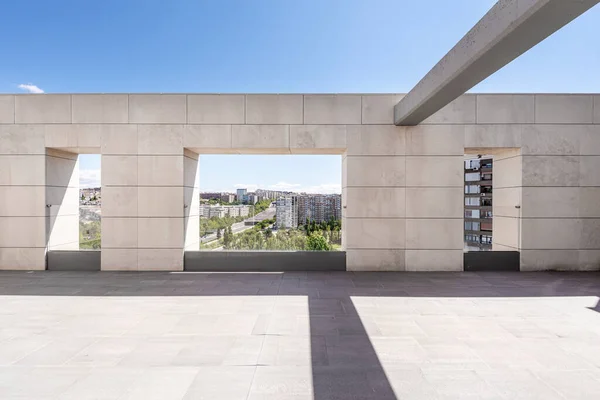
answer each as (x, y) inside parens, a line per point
(509, 29)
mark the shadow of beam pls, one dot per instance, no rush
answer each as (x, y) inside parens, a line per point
(344, 362)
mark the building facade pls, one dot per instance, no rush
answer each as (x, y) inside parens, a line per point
(286, 212)
(319, 207)
(478, 204)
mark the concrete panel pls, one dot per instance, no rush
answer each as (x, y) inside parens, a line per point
(192, 227)
(559, 202)
(311, 139)
(207, 138)
(376, 171)
(119, 139)
(590, 234)
(379, 108)
(264, 261)
(63, 232)
(261, 138)
(375, 202)
(160, 139)
(43, 109)
(507, 173)
(60, 136)
(589, 140)
(437, 171)
(190, 172)
(24, 259)
(7, 109)
(100, 108)
(463, 110)
(119, 233)
(274, 108)
(548, 260)
(506, 31)
(22, 170)
(23, 232)
(548, 234)
(597, 109)
(374, 233)
(119, 259)
(119, 201)
(434, 202)
(67, 260)
(589, 202)
(376, 140)
(490, 137)
(484, 261)
(344, 171)
(160, 233)
(160, 201)
(375, 260)
(550, 170)
(64, 201)
(22, 201)
(589, 260)
(160, 260)
(589, 167)
(160, 170)
(119, 170)
(215, 108)
(62, 171)
(332, 109)
(22, 139)
(157, 108)
(505, 109)
(434, 234)
(434, 260)
(551, 139)
(443, 140)
(563, 109)
(506, 232)
(505, 201)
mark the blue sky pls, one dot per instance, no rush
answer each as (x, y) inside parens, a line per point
(267, 46)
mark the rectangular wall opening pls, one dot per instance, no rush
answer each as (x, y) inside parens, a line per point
(270, 203)
(492, 209)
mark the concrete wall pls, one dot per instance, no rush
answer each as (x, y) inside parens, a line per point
(402, 186)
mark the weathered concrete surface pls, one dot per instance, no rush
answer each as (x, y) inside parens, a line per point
(509, 29)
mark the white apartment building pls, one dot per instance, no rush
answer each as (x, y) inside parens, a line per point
(286, 210)
(210, 211)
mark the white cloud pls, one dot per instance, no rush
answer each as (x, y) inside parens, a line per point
(89, 178)
(325, 188)
(30, 87)
(250, 186)
(284, 186)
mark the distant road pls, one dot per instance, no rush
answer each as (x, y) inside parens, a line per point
(238, 227)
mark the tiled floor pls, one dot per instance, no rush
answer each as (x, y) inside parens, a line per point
(163, 336)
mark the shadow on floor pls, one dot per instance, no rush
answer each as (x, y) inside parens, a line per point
(343, 359)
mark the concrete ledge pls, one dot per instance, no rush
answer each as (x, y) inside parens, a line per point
(264, 261)
(492, 261)
(74, 260)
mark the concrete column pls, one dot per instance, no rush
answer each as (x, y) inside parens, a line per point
(507, 200)
(192, 201)
(22, 192)
(62, 200)
(143, 198)
(373, 198)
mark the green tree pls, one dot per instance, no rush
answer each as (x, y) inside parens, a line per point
(218, 233)
(317, 242)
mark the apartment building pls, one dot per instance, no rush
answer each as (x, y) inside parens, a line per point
(286, 209)
(319, 207)
(478, 204)
(211, 211)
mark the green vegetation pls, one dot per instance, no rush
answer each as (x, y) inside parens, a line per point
(262, 237)
(211, 225)
(89, 235)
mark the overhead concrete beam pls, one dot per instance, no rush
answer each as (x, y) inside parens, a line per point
(509, 29)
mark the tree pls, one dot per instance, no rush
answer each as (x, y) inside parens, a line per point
(83, 197)
(317, 242)
(218, 233)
